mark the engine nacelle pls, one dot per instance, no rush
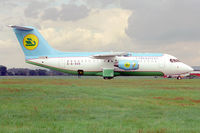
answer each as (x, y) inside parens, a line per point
(127, 64)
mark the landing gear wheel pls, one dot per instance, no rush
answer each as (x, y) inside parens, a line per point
(179, 78)
(107, 78)
(80, 73)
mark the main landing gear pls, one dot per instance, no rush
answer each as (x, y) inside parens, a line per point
(179, 77)
(80, 73)
(106, 78)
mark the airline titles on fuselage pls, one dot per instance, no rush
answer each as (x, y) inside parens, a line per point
(76, 62)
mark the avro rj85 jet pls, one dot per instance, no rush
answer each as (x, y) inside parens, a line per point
(106, 64)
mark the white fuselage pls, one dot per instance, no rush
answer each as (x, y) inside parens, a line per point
(162, 64)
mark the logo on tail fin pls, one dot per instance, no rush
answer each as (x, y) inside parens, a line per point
(30, 41)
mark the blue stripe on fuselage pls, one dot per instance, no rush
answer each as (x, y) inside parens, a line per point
(87, 54)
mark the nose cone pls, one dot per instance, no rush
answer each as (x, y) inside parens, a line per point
(190, 69)
(187, 68)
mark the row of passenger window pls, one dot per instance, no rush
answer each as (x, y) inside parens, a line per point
(95, 60)
(78, 61)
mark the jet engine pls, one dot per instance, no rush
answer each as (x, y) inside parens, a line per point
(127, 64)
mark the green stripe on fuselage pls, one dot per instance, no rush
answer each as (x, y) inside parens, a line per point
(141, 73)
(97, 73)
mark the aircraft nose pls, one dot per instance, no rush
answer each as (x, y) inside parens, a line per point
(191, 69)
(188, 68)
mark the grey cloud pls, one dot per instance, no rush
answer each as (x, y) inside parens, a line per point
(1, 27)
(12, 3)
(66, 13)
(73, 12)
(100, 3)
(139, 4)
(163, 20)
(5, 4)
(50, 13)
(34, 8)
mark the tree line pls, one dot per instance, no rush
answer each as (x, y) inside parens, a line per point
(28, 72)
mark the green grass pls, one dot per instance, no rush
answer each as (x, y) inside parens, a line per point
(99, 106)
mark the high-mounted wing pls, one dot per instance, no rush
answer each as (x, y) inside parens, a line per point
(109, 55)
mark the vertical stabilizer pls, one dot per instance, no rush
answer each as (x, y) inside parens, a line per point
(32, 42)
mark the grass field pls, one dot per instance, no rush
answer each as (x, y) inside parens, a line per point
(99, 106)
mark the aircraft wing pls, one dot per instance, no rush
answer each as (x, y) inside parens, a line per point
(109, 55)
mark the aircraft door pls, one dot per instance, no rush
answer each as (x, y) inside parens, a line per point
(62, 62)
(162, 62)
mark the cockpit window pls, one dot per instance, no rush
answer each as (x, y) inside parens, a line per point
(174, 60)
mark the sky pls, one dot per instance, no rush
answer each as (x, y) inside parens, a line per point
(150, 26)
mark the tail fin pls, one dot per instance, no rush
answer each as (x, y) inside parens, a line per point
(32, 42)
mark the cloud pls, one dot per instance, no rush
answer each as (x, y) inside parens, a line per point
(160, 21)
(166, 26)
(50, 14)
(34, 8)
(187, 52)
(105, 30)
(101, 3)
(5, 43)
(11, 53)
(67, 12)
(13, 57)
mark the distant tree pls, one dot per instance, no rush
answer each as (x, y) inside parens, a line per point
(21, 72)
(10, 73)
(56, 73)
(3, 70)
(32, 73)
(42, 72)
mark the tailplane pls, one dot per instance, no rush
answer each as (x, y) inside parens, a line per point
(32, 42)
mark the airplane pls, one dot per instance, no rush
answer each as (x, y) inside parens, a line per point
(38, 52)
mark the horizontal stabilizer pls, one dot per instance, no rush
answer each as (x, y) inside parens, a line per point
(20, 27)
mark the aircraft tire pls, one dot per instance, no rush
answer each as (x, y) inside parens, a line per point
(106, 78)
(179, 78)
